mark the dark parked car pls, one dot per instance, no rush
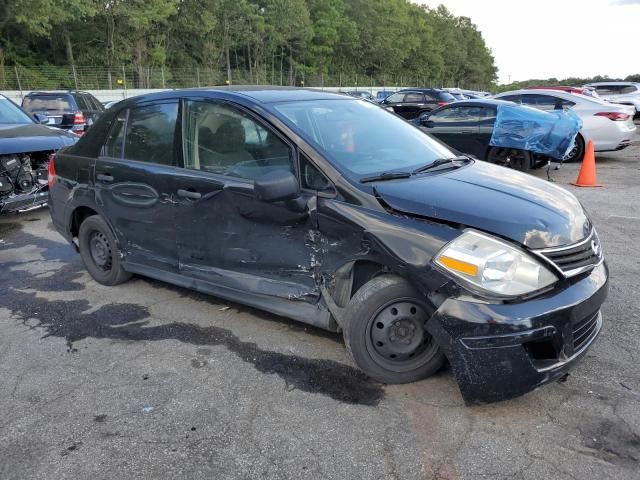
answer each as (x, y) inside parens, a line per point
(467, 126)
(362, 94)
(336, 213)
(414, 102)
(71, 110)
(25, 146)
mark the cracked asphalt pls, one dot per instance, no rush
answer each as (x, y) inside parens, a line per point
(146, 380)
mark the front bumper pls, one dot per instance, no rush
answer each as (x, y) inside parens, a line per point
(499, 351)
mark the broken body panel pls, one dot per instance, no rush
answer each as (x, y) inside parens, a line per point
(306, 259)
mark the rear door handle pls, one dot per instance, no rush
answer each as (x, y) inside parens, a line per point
(189, 194)
(467, 131)
(105, 177)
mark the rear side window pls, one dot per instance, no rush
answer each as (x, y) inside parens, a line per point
(487, 116)
(48, 103)
(457, 115)
(115, 141)
(150, 133)
(82, 105)
(414, 98)
(145, 134)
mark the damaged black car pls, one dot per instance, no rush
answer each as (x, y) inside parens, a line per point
(334, 212)
(25, 147)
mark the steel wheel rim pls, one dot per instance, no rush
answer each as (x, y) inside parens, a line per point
(100, 250)
(507, 158)
(396, 336)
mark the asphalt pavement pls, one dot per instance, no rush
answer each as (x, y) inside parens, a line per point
(150, 381)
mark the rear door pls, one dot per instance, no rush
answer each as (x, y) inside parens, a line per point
(226, 235)
(413, 104)
(486, 121)
(457, 126)
(133, 182)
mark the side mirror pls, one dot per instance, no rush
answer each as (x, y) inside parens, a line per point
(41, 118)
(278, 185)
(425, 121)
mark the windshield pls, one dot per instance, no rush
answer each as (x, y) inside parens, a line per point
(10, 113)
(361, 137)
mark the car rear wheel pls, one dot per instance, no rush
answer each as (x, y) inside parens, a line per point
(385, 332)
(99, 253)
(510, 157)
(577, 152)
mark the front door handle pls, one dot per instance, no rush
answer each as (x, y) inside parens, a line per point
(105, 177)
(189, 194)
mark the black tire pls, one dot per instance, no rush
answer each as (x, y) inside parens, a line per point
(374, 333)
(99, 252)
(577, 153)
(510, 157)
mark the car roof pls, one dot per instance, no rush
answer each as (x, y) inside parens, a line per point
(423, 90)
(56, 92)
(259, 94)
(483, 102)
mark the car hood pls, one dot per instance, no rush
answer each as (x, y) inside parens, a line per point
(494, 199)
(21, 138)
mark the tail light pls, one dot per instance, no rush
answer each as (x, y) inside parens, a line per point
(615, 116)
(442, 104)
(51, 170)
(78, 118)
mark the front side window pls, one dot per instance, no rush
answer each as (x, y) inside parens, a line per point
(222, 139)
(395, 98)
(510, 98)
(360, 137)
(457, 115)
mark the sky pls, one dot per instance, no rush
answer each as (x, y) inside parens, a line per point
(556, 38)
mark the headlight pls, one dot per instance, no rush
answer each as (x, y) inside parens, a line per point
(493, 265)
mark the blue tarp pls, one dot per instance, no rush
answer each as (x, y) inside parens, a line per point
(551, 134)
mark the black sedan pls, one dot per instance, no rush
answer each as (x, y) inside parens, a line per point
(25, 146)
(411, 103)
(467, 126)
(334, 212)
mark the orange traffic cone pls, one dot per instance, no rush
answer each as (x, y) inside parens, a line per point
(587, 174)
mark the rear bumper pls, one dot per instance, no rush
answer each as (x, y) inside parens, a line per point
(499, 351)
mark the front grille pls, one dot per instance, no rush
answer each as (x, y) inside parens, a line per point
(584, 330)
(577, 258)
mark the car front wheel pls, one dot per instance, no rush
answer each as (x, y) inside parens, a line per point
(385, 332)
(99, 252)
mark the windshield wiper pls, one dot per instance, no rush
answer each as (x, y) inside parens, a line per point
(385, 176)
(442, 161)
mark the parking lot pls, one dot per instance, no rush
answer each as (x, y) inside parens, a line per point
(146, 380)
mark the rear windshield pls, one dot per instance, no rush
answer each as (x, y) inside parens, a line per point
(47, 103)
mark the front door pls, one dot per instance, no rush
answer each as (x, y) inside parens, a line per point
(133, 181)
(457, 127)
(226, 235)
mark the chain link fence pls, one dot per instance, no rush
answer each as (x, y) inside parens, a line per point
(132, 77)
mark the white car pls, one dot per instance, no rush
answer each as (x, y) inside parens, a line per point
(624, 93)
(608, 125)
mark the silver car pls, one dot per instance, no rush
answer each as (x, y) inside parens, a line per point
(624, 93)
(608, 125)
